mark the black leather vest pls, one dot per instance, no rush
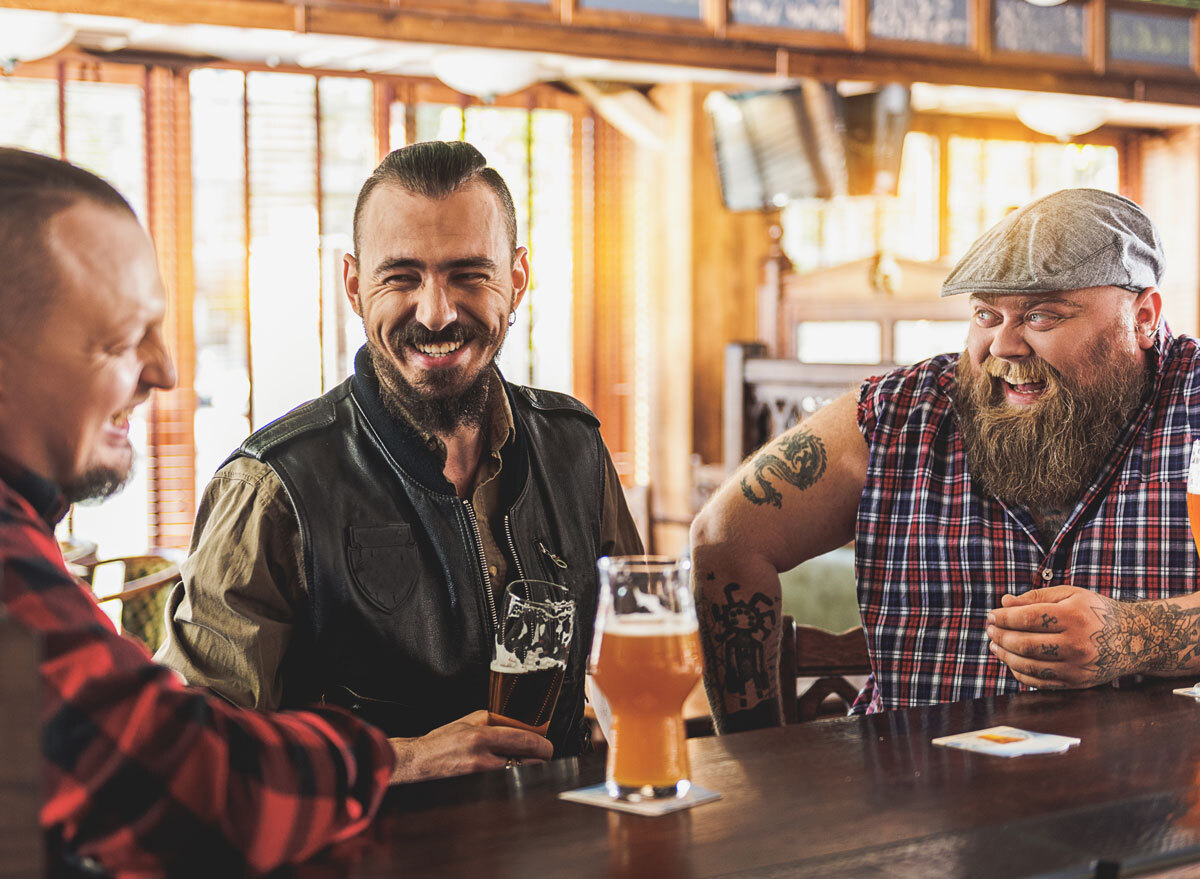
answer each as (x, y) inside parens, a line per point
(400, 623)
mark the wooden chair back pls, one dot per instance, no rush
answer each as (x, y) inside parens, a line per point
(21, 846)
(143, 596)
(829, 657)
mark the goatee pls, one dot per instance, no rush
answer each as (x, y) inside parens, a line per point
(97, 484)
(1044, 456)
(441, 403)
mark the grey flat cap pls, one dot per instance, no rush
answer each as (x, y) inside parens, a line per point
(1068, 240)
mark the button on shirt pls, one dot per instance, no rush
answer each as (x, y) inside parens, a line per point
(934, 553)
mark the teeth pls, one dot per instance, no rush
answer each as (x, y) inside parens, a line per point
(439, 350)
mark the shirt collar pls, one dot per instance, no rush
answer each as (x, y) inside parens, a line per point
(44, 496)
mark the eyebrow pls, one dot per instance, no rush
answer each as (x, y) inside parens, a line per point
(1028, 302)
(466, 262)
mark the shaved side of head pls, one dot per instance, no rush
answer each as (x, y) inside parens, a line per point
(33, 190)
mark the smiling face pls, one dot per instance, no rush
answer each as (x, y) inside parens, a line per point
(1014, 338)
(1046, 385)
(434, 282)
(68, 387)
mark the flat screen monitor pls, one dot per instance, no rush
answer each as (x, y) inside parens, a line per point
(806, 142)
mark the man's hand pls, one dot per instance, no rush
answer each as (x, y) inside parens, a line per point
(1046, 637)
(465, 745)
(1064, 636)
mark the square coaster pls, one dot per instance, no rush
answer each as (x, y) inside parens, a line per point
(596, 795)
(1007, 741)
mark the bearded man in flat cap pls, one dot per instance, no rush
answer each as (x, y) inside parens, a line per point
(1018, 510)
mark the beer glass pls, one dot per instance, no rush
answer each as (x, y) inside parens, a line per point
(1193, 493)
(529, 658)
(645, 661)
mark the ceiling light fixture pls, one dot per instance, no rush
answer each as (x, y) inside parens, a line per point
(484, 73)
(27, 36)
(1045, 2)
(1061, 117)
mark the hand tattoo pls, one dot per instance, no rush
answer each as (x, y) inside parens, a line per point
(1144, 636)
(1048, 621)
(1050, 650)
(802, 464)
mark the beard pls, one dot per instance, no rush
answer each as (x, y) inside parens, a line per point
(1044, 456)
(444, 399)
(97, 484)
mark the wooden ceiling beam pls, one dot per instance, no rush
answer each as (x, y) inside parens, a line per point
(688, 50)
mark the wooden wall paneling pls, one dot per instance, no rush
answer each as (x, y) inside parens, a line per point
(172, 473)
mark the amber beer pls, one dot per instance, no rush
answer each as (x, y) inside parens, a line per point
(1193, 493)
(646, 668)
(524, 697)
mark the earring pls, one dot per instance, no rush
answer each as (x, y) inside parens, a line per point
(512, 317)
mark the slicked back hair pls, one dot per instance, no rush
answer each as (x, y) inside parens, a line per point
(437, 169)
(33, 189)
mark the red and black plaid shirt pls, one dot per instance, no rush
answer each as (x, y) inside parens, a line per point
(146, 776)
(933, 553)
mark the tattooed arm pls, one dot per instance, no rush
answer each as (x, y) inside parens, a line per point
(1064, 637)
(795, 498)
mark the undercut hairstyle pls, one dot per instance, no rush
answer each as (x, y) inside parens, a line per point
(437, 169)
(33, 189)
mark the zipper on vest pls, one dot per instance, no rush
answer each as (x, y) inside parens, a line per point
(555, 560)
(512, 547)
(487, 579)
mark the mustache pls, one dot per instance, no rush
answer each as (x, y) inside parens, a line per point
(1029, 371)
(414, 333)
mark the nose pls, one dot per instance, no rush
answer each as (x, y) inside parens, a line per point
(1008, 342)
(435, 310)
(159, 370)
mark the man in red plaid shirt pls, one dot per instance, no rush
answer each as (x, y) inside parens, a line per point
(143, 775)
(1018, 510)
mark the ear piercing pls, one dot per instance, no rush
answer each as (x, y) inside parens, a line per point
(512, 317)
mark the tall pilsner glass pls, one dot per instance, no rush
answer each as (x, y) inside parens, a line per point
(1193, 493)
(645, 661)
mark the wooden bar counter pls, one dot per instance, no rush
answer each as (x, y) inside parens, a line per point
(856, 797)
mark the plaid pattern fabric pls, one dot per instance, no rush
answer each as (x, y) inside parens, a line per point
(147, 777)
(933, 554)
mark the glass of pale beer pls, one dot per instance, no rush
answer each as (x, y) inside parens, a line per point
(529, 657)
(1193, 493)
(645, 661)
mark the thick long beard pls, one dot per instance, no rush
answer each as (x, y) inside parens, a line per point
(1044, 456)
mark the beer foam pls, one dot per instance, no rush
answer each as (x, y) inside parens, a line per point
(505, 660)
(647, 625)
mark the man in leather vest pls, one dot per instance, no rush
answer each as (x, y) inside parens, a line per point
(355, 551)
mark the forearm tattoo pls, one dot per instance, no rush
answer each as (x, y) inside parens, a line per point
(735, 646)
(1149, 636)
(802, 464)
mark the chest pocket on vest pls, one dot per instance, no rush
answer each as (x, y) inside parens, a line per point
(384, 563)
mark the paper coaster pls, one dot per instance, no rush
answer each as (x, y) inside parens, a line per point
(1005, 741)
(596, 795)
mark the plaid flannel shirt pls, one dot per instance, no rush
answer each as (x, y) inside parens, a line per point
(145, 776)
(933, 553)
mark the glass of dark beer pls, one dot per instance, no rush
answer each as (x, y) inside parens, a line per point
(529, 658)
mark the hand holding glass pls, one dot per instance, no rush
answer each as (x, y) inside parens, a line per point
(645, 661)
(529, 658)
